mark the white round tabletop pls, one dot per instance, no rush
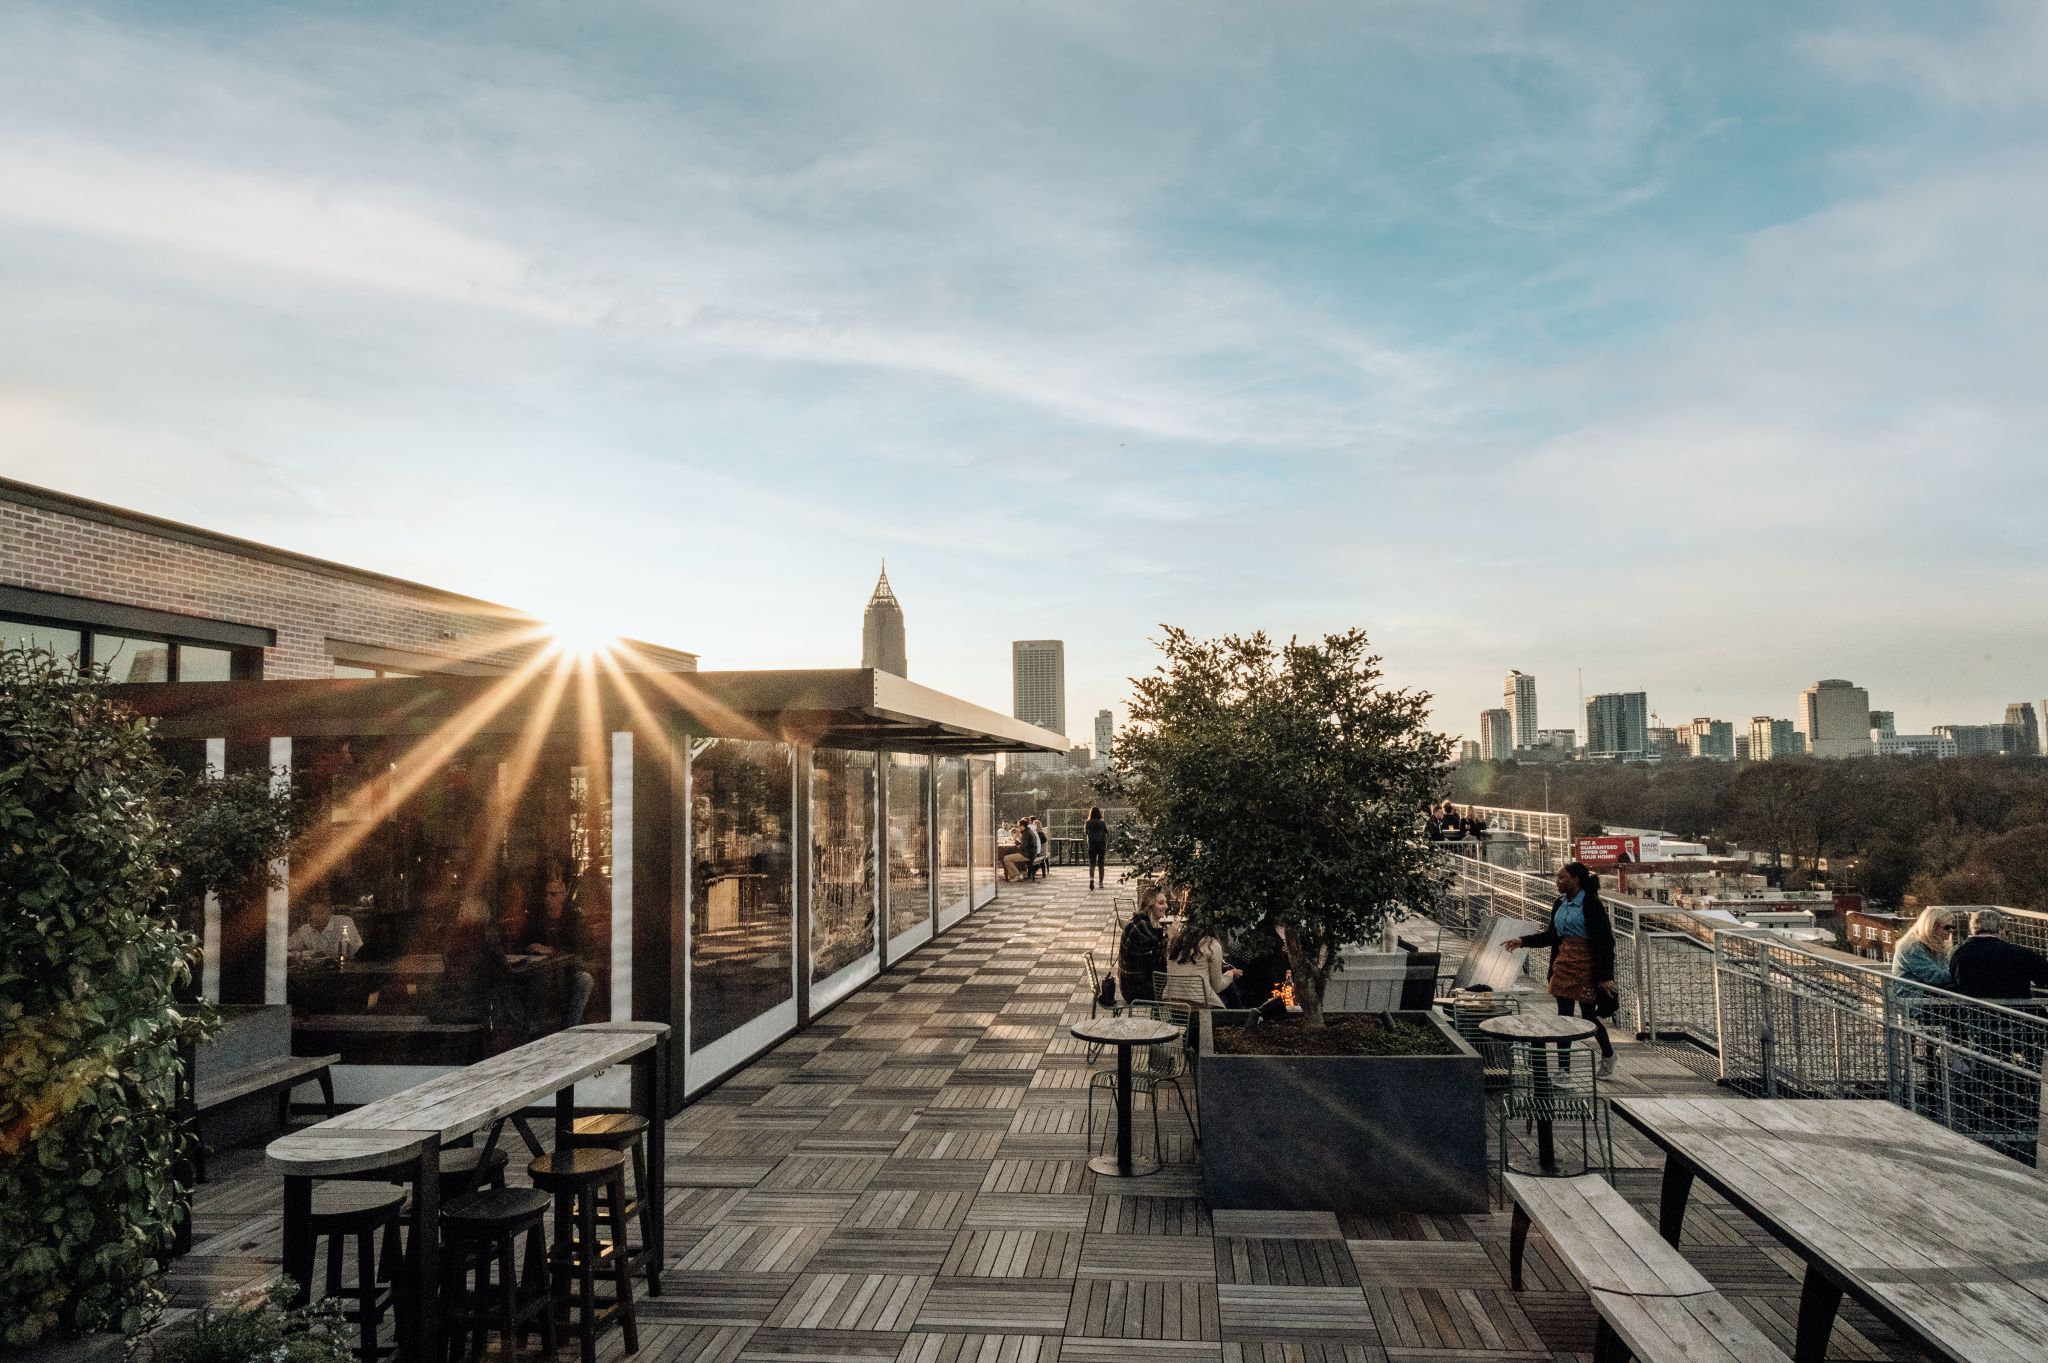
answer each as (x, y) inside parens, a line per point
(1538, 1027)
(1125, 1031)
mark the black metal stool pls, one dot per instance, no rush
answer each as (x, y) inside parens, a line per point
(481, 1229)
(367, 1213)
(626, 1132)
(577, 1180)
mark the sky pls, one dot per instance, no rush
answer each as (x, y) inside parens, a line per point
(1694, 348)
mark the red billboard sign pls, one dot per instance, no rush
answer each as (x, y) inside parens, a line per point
(1599, 854)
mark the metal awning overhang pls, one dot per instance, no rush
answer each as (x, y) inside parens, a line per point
(840, 708)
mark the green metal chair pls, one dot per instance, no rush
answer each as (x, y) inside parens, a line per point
(1154, 1068)
(1465, 1012)
(1557, 1084)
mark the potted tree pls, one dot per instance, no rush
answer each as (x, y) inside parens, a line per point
(1290, 779)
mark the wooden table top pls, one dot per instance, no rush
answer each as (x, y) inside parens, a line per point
(1946, 1235)
(463, 1101)
(1125, 1031)
(1538, 1027)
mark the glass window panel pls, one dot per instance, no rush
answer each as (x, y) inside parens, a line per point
(910, 867)
(445, 914)
(132, 660)
(953, 826)
(196, 662)
(842, 859)
(351, 670)
(50, 638)
(983, 815)
(742, 891)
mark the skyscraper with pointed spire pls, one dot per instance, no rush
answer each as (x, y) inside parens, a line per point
(881, 630)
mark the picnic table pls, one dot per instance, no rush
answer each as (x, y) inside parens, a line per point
(399, 1138)
(1942, 1239)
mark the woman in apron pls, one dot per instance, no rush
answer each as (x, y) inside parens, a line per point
(1581, 942)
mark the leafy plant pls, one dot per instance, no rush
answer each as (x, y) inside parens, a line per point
(1284, 778)
(260, 1327)
(89, 962)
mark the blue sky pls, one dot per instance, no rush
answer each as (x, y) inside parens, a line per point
(1696, 347)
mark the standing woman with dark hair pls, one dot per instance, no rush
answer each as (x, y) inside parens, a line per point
(1098, 848)
(1581, 942)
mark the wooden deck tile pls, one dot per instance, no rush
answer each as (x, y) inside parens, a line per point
(1148, 1256)
(1123, 1308)
(1263, 1311)
(1289, 1262)
(1412, 1263)
(1009, 1305)
(1013, 1254)
(1028, 1211)
(850, 1301)
(908, 1209)
(821, 1346)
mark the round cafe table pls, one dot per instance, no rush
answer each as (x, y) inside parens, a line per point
(1538, 1030)
(1124, 1033)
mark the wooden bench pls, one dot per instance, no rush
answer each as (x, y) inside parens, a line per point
(250, 1058)
(1653, 1305)
(394, 1038)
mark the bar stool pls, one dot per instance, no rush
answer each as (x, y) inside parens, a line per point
(464, 1170)
(479, 1229)
(366, 1213)
(625, 1132)
(577, 1179)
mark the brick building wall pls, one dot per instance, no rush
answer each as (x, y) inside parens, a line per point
(53, 543)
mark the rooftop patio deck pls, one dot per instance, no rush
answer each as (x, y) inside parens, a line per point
(907, 1179)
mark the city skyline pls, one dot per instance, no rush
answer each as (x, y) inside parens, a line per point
(1090, 320)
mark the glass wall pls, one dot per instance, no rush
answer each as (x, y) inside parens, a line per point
(982, 875)
(910, 871)
(446, 910)
(842, 859)
(742, 884)
(954, 825)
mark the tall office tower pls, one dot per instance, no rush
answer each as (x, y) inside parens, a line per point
(881, 630)
(1741, 747)
(1837, 719)
(1496, 735)
(1038, 683)
(1769, 738)
(1881, 722)
(1714, 738)
(1105, 737)
(1518, 696)
(1618, 726)
(2026, 729)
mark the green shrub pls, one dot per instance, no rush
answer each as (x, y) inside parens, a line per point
(90, 1025)
(260, 1327)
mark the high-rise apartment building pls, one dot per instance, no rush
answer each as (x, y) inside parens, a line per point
(1712, 738)
(1881, 722)
(1769, 738)
(1836, 715)
(881, 630)
(2026, 729)
(1665, 742)
(1468, 751)
(1038, 683)
(1741, 747)
(1518, 697)
(1496, 735)
(1105, 736)
(1618, 726)
(1914, 745)
(1976, 740)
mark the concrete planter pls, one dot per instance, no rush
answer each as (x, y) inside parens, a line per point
(1362, 1133)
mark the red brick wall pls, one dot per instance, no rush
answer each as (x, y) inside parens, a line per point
(50, 551)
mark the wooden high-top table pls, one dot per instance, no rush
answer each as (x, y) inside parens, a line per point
(1943, 1239)
(399, 1139)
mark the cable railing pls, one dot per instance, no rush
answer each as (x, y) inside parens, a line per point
(1788, 1019)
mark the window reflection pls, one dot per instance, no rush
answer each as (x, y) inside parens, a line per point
(842, 859)
(132, 660)
(910, 870)
(953, 825)
(196, 662)
(437, 922)
(49, 638)
(742, 919)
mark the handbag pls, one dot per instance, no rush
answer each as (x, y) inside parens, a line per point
(1105, 996)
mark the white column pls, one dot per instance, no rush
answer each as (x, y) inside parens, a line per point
(622, 877)
(209, 932)
(278, 901)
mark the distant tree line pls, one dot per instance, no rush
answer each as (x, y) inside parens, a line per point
(1971, 830)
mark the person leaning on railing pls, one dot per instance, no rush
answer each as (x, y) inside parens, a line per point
(1922, 952)
(1581, 941)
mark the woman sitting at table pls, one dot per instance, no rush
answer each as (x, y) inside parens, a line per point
(1196, 974)
(1142, 952)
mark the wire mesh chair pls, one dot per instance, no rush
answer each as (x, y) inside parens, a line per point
(1161, 1066)
(1094, 999)
(1466, 1010)
(1548, 1083)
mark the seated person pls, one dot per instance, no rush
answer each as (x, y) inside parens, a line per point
(1263, 952)
(325, 935)
(560, 932)
(474, 975)
(1453, 826)
(1142, 952)
(1017, 861)
(1196, 974)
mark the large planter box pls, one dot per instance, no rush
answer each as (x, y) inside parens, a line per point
(1361, 1133)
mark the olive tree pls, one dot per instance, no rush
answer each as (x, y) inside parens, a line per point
(1281, 777)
